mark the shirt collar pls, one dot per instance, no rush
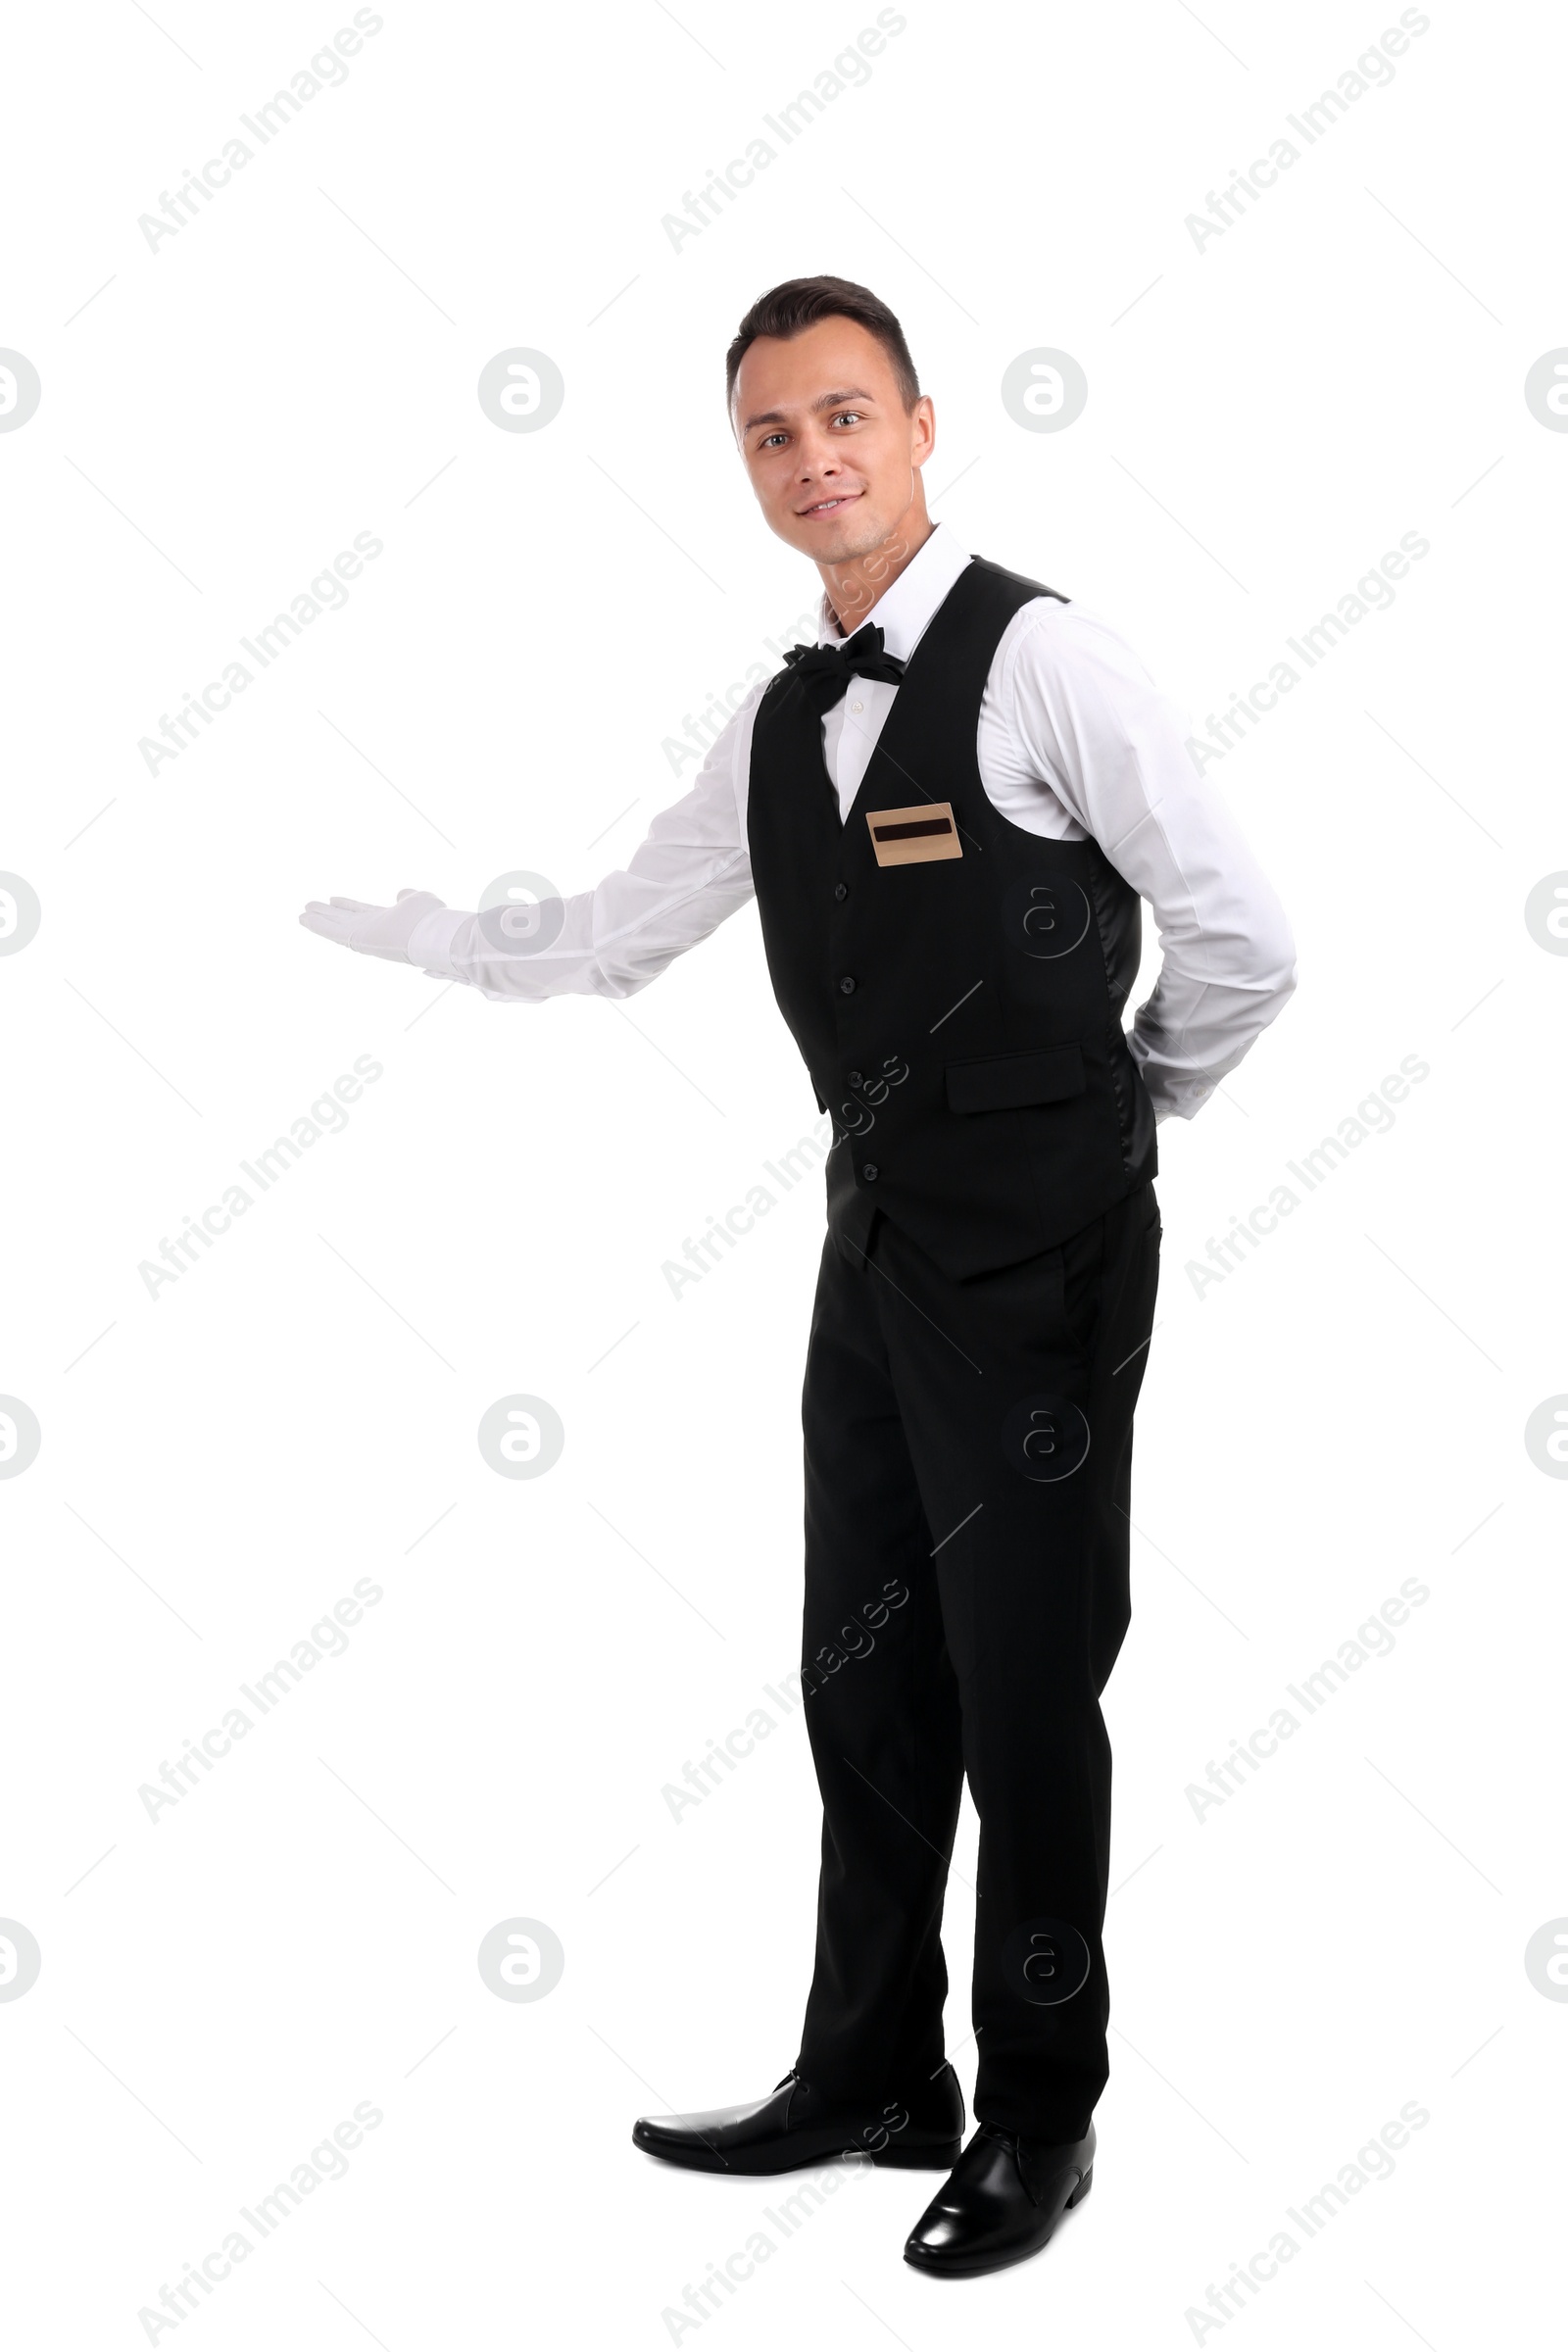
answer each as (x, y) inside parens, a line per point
(905, 608)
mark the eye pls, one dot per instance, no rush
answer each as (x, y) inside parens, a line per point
(769, 438)
(847, 416)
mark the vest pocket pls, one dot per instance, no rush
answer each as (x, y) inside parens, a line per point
(1012, 1081)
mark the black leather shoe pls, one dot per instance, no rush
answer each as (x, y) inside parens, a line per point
(1004, 2199)
(796, 2125)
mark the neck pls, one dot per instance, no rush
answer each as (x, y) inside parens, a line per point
(853, 588)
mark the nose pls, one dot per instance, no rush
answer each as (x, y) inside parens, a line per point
(816, 456)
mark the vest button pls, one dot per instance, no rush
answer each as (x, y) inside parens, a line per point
(846, 986)
(869, 1171)
(840, 890)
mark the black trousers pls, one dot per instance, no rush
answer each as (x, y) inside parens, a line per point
(968, 1447)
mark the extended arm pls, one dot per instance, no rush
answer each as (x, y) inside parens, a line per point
(688, 873)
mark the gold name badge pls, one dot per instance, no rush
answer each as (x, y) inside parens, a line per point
(915, 836)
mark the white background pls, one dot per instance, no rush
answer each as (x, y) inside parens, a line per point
(219, 1464)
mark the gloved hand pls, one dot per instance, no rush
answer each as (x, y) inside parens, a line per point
(372, 930)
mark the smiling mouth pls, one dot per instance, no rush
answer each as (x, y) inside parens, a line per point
(828, 506)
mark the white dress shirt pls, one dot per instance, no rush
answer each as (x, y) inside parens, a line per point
(1073, 741)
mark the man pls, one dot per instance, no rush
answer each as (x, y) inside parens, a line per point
(947, 810)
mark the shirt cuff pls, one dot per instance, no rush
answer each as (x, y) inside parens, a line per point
(1176, 1094)
(432, 940)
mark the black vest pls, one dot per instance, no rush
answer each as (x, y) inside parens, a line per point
(960, 1017)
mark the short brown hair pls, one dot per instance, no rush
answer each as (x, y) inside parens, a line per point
(800, 302)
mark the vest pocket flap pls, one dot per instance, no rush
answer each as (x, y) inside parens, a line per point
(1009, 1081)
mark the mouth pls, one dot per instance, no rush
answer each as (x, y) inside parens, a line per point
(825, 507)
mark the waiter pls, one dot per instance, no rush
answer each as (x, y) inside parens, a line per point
(947, 810)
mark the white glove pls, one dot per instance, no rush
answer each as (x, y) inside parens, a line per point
(372, 930)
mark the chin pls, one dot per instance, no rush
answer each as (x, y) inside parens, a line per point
(857, 537)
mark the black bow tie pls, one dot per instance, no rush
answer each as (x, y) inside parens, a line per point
(823, 672)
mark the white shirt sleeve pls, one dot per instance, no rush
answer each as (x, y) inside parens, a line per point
(688, 873)
(1093, 726)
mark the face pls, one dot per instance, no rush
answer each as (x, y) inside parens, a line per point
(833, 455)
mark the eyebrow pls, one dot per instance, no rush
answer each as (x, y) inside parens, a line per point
(825, 400)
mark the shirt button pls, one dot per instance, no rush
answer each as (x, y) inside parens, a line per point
(856, 705)
(846, 986)
(852, 1078)
(869, 1171)
(840, 890)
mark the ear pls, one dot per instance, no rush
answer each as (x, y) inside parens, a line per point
(922, 428)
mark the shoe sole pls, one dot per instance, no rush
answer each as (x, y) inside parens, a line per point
(920, 2160)
(976, 2266)
(937, 2157)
